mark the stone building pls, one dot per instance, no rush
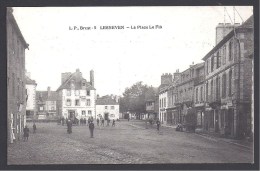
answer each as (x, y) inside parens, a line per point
(228, 83)
(16, 83)
(173, 117)
(76, 96)
(31, 97)
(185, 87)
(166, 81)
(199, 95)
(46, 104)
(107, 107)
(151, 102)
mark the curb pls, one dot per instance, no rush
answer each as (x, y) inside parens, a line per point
(226, 141)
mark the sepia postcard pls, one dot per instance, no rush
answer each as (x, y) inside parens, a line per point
(130, 85)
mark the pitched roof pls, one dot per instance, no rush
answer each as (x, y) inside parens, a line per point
(29, 81)
(106, 101)
(43, 96)
(77, 79)
(151, 94)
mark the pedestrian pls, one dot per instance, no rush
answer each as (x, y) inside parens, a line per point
(85, 121)
(114, 122)
(158, 124)
(108, 121)
(89, 120)
(91, 129)
(34, 127)
(102, 122)
(128, 118)
(26, 133)
(69, 125)
(97, 121)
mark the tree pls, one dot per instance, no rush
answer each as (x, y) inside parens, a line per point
(134, 99)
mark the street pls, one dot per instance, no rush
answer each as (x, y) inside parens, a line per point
(126, 143)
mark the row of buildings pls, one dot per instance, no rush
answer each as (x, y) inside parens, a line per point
(75, 98)
(216, 95)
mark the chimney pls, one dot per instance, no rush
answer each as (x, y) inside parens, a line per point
(49, 91)
(166, 78)
(223, 29)
(92, 78)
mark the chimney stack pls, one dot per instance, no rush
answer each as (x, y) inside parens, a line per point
(49, 91)
(92, 78)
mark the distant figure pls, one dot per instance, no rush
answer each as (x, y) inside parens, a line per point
(158, 124)
(89, 120)
(69, 125)
(102, 122)
(91, 129)
(85, 121)
(34, 128)
(97, 122)
(108, 121)
(114, 122)
(128, 119)
(26, 133)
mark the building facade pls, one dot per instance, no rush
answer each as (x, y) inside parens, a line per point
(199, 95)
(31, 97)
(107, 108)
(16, 83)
(151, 103)
(76, 96)
(166, 81)
(46, 104)
(228, 83)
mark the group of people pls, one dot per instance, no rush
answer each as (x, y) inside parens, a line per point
(26, 132)
(102, 120)
(90, 124)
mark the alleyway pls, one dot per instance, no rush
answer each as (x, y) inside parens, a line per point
(127, 143)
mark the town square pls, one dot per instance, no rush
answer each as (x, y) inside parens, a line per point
(153, 85)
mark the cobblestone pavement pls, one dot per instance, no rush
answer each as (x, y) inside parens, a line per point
(127, 143)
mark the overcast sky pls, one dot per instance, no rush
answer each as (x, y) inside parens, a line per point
(119, 58)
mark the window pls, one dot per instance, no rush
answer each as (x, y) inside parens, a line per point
(224, 85)
(89, 112)
(77, 92)
(218, 60)
(212, 63)
(230, 83)
(197, 94)
(112, 107)
(230, 50)
(41, 108)
(68, 102)
(105, 107)
(201, 94)
(211, 90)
(207, 66)
(164, 101)
(207, 91)
(68, 93)
(224, 54)
(77, 102)
(88, 92)
(88, 102)
(83, 112)
(217, 88)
